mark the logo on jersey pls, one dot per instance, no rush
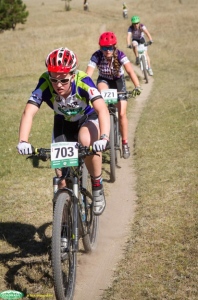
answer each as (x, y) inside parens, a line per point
(93, 92)
(69, 106)
(71, 109)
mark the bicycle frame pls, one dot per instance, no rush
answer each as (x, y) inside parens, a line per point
(141, 52)
(75, 202)
(70, 220)
(142, 48)
(111, 99)
(73, 178)
(113, 110)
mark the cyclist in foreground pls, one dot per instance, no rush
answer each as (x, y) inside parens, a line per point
(135, 36)
(109, 61)
(80, 114)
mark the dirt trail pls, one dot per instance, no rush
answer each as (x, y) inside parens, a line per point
(94, 273)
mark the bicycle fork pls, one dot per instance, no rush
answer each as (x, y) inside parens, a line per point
(117, 130)
(75, 233)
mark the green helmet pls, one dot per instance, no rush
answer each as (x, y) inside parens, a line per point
(135, 19)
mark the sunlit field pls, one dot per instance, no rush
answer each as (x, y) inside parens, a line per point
(160, 257)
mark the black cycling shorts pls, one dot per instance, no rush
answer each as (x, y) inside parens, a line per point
(68, 131)
(117, 83)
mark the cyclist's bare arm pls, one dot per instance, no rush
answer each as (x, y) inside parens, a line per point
(90, 70)
(103, 116)
(129, 38)
(26, 121)
(147, 34)
(131, 73)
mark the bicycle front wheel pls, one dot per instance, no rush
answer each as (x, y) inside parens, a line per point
(112, 150)
(144, 69)
(91, 222)
(117, 141)
(64, 259)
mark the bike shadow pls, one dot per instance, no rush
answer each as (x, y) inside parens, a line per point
(35, 161)
(30, 255)
(106, 160)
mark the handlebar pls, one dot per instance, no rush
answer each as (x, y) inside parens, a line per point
(145, 44)
(148, 43)
(45, 154)
(127, 93)
(42, 153)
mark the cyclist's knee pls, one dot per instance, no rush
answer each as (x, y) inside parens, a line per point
(58, 172)
(134, 44)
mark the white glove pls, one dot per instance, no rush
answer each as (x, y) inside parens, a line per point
(100, 145)
(24, 148)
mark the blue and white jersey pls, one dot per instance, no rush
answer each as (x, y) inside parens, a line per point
(76, 105)
(105, 69)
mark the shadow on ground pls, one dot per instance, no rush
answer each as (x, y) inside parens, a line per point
(29, 263)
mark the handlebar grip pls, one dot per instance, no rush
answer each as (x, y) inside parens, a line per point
(35, 150)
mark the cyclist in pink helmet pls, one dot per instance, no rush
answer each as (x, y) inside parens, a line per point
(110, 62)
(80, 114)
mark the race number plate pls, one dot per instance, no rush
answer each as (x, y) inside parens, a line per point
(110, 96)
(64, 154)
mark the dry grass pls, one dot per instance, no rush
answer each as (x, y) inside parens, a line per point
(160, 259)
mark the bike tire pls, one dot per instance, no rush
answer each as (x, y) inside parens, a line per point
(144, 69)
(91, 223)
(64, 262)
(117, 141)
(112, 150)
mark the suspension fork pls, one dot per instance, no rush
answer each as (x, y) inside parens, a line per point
(116, 118)
(75, 232)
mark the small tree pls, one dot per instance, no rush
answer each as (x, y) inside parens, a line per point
(12, 12)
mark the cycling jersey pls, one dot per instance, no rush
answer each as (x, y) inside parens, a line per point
(138, 33)
(76, 105)
(105, 70)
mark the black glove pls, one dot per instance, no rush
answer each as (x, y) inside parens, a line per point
(136, 92)
(129, 46)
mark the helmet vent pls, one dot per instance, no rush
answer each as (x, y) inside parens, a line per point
(61, 60)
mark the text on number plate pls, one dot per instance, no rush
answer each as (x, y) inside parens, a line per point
(64, 154)
(110, 96)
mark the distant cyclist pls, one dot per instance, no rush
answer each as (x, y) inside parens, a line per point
(135, 36)
(110, 62)
(86, 5)
(124, 10)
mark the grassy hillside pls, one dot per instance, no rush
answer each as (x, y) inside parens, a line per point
(160, 260)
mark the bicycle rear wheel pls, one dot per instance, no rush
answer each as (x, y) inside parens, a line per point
(91, 223)
(144, 69)
(64, 259)
(112, 150)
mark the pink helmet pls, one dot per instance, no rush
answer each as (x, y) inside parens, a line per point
(107, 39)
(61, 60)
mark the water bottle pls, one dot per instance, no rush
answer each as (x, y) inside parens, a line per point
(83, 208)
